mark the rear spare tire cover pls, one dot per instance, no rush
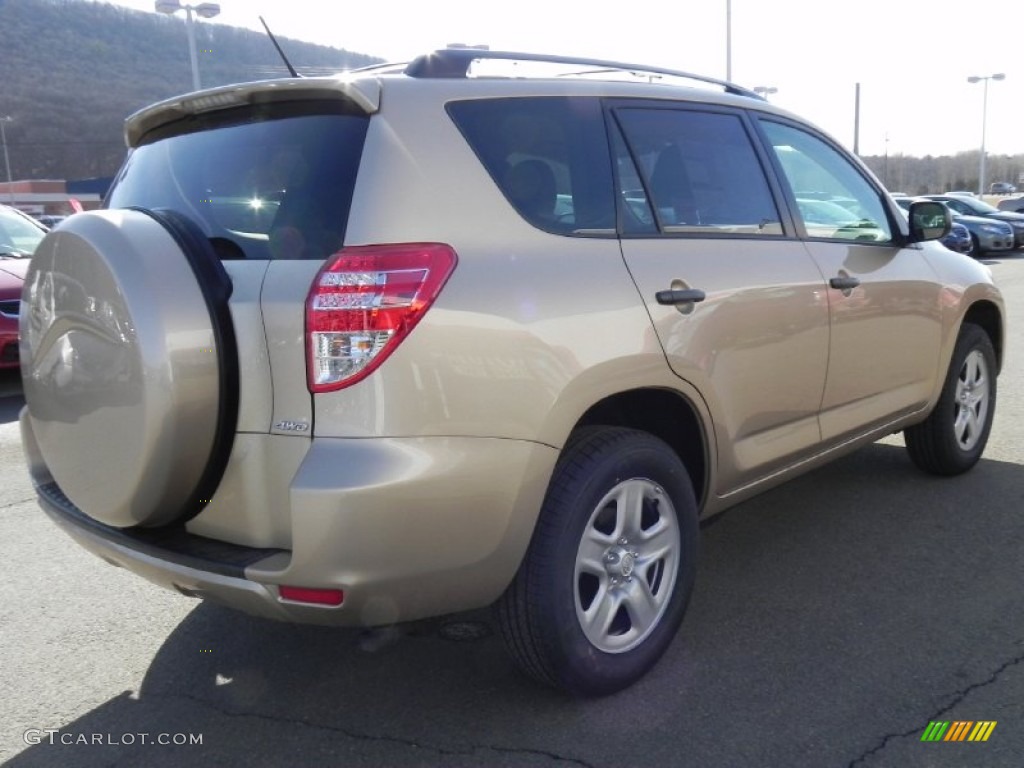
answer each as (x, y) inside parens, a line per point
(121, 366)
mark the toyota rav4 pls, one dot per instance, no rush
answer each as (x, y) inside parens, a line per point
(482, 329)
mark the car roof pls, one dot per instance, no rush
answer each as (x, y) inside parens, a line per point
(451, 74)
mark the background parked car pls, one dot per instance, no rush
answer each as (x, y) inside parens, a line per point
(49, 220)
(19, 236)
(986, 235)
(1002, 188)
(959, 239)
(1015, 204)
(970, 206)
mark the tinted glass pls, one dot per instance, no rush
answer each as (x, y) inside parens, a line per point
(549, 156)
(700, 172)
(18, 236)
(262, 183)
(959, 207)
(636, 216)
(968, 206)
(835, 201)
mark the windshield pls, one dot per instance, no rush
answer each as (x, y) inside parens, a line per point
(978, 206)
(18, 236)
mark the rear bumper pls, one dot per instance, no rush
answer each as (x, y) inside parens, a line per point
(186, 572)
(407, 528)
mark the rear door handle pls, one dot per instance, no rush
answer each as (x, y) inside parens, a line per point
(844, 283)
(680, 296)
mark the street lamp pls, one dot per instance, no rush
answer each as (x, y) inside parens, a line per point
(206, 10)
(984, 114)
(765, 90)
(7, 160)
(728, 40)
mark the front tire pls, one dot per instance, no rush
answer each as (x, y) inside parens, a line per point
(953, 437)
(608, 575)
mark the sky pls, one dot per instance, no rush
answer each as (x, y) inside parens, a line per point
(912, 59)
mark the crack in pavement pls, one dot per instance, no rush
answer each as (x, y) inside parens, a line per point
(958, 696)
(469, 749)
(10, 504)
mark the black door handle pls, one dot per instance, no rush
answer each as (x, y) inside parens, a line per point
(677, 296)
(844, 283)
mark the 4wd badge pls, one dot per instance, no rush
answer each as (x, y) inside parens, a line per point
(292, 426)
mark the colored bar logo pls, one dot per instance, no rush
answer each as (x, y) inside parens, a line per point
(958, 730)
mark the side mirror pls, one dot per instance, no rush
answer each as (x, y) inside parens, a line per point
(929, 220)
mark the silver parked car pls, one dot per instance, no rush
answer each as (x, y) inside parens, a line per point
(986, 235)
(427, 338)
(979, 208)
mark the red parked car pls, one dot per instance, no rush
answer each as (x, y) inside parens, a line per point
(19, 236)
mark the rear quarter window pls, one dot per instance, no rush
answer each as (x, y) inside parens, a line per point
(549, 156)
(269, 182)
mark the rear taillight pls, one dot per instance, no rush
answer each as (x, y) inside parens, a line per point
(364, 301)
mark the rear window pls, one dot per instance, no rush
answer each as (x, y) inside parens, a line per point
(548, 155)
(268, 182)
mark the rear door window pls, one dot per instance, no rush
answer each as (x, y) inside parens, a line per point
(268, 182)
(548, 155)
(697, 173)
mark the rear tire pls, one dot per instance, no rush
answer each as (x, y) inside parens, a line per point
(608, 575)
(952, 439)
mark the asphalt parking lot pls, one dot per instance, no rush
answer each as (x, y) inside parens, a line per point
(835, 617)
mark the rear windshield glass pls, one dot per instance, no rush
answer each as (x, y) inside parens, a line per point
(549, 156)
(273, 182)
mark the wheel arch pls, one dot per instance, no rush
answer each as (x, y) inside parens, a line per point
(987, 316)
(666, 414)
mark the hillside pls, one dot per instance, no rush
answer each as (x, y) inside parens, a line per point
(72, 70)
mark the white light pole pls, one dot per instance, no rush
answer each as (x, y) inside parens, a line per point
(728, 40)
(984, 117)
(765, 90)
(206, 10)
(7, 160)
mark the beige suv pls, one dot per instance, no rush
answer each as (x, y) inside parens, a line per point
(426, 338)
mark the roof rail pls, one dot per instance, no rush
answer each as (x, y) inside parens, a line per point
(455, 63)
(384, 67)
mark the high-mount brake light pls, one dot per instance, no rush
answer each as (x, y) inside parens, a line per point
(364, 302)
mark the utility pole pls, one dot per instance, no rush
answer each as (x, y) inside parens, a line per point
(856, 121)
(206, 11)
(7, 160)
(728, 40)
(984, 115)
